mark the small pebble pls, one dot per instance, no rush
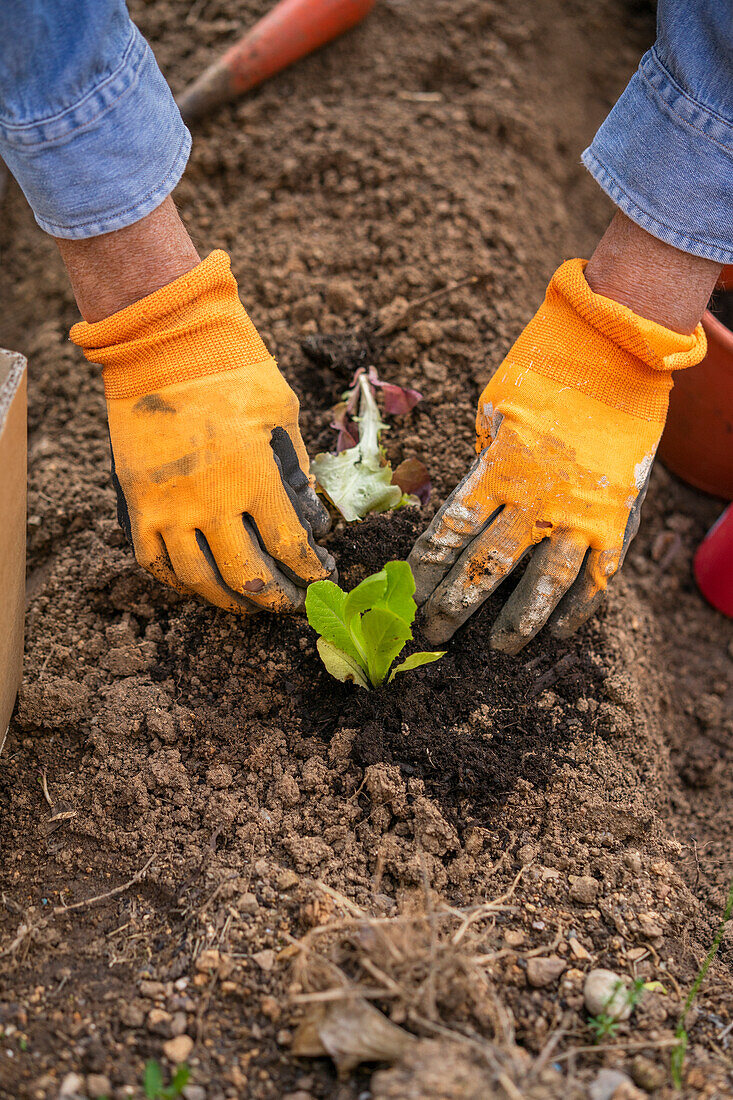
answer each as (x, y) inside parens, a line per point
(584, 889)
(248, 903)
(71, 1087)
(606, 1084)
(178, 1023)
(650, 927)
(159, 1021)
(543, 971)
(606, 992)
(152, 989)
(98, 1085)
(286, 880)
(265, 959)
(270, 1007)
(194, 1092)
(178, 1050)
(132, 1015)
(647, 1074)
(208, 960)
(577, 950)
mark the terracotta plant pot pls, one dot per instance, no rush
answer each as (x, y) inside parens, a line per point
(697, 443)
(714, 564)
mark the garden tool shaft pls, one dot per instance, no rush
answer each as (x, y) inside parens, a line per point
(293, 29)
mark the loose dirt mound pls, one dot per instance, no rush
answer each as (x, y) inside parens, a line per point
(210, 767)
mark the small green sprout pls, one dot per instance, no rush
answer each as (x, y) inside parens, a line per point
(153, 1081)
(679, 1051)
(605, 1024)
(363, 632)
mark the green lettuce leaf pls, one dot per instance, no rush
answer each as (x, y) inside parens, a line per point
(370, 593)
(340, 664)
(398, 596)
(385, 635)
(415, 661)
(325, 607)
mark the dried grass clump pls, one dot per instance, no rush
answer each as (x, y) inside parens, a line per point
(412, 991)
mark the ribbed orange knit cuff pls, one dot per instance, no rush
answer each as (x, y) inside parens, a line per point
(194, 327)
(604, 349)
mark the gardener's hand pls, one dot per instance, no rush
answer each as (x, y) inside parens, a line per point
(567, 430)
(208, 460)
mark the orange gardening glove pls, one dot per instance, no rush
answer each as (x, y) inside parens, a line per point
(567, 431)
(207, 457)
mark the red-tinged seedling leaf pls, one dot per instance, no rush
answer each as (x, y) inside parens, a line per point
(347, 428)
(346, 440)
(397, 399)
(413, 479)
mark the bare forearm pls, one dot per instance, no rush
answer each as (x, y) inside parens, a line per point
(653, 279)
(114, 270)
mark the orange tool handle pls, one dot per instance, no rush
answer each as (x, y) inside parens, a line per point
(291, 30)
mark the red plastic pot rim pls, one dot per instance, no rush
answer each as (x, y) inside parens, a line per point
(713, 564)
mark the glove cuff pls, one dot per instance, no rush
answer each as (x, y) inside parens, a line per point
(659, 347)
(593, 344)
(194, 327)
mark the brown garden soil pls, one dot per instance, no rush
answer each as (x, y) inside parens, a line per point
(462, 848)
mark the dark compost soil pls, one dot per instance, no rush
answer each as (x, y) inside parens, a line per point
(587, 783)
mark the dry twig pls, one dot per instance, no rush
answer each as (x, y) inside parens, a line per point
(23, 931)
(59, 909)
(622, 1047)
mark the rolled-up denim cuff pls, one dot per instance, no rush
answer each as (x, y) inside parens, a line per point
(667, 161)
(107, 160)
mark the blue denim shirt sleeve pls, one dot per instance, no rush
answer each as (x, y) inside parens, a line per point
(88, 124)
(665, 152)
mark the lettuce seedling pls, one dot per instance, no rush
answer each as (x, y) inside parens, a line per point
(363, 632)
(358, 479)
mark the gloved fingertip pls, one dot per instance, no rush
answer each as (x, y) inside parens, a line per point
(320, 521)
(508, 642)
(569, 619)
(424, 588)
(327, 561)
(425, 579)
(437, 628)
(240, 609)
(563, 629)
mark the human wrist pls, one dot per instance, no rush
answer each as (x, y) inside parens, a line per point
(658, 282)
(587, 341)
(110, 272)
(191, 328)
